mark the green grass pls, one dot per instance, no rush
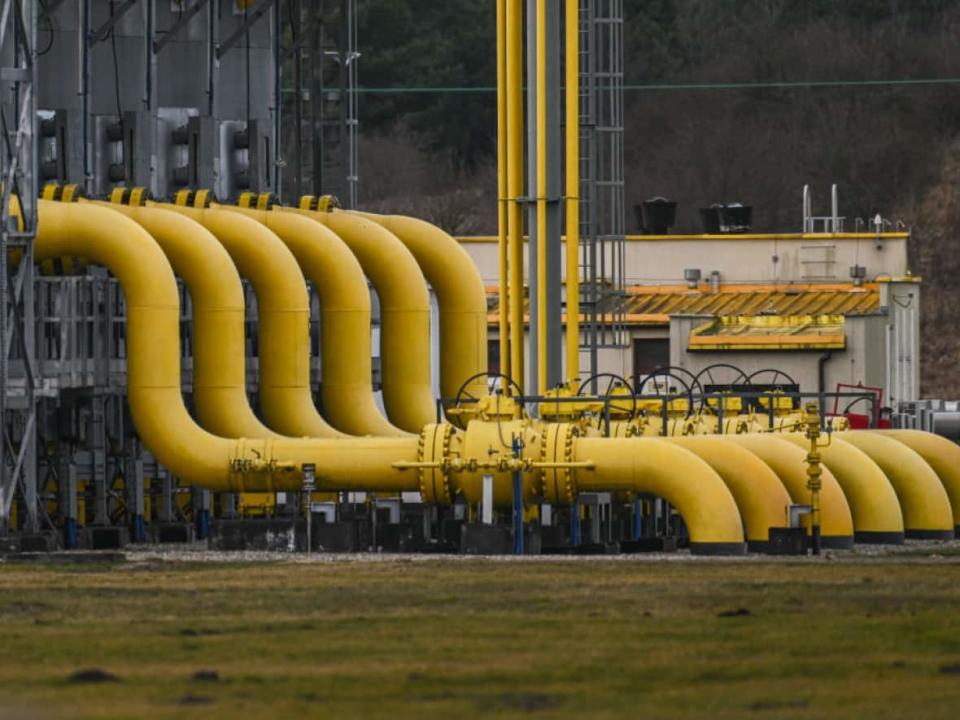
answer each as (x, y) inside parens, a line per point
(843, 639)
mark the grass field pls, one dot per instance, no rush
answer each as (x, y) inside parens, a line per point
(462, 638)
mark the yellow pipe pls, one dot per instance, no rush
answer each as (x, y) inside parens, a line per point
(283, 308)
(461, 299)
(789, 463)
(877, 517)
(515, 129)
(347, 390)
(941, 455)
(762, 499)
(573, 186)
(541, 119)
(219, 351)
(926, 507)
(504, 324)
(153, 376)
(659, 467)
(404, 313)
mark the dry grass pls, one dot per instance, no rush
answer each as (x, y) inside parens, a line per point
(452, 639)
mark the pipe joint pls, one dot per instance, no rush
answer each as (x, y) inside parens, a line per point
(557, 479)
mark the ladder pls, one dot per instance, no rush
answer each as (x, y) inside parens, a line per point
(602, 203)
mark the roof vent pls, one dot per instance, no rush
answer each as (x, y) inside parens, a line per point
(692, 276)
(656, 216)
(736, 218)
(858, 273)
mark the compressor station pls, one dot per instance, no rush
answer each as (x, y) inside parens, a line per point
(192, 352)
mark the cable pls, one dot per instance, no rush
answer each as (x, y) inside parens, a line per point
(116, 78)
(783, 85)
(247, 58)
(45, 14)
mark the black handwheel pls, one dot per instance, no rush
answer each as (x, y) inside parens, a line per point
(671, 372)
(495, 377)
(612, 379)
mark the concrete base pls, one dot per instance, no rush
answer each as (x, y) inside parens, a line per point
(476, 539)
(171, 533)
(396, 538)
(288, 534)
(39, 543)
(260, 534)
(9, 544)
(787, 541)
(649, 545)
(555, 537)
(338, 537)
(104, 538)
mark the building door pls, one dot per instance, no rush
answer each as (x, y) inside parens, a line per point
(648, 355)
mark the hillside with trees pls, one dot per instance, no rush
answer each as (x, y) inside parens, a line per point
(785, 92)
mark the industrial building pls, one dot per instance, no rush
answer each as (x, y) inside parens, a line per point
(782, 308)
(205, 337)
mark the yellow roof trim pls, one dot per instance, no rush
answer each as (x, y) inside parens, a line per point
(794, 332)
(493, 239)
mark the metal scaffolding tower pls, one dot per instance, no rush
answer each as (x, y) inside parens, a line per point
(18, 179)
(322, 103)
(602, 217)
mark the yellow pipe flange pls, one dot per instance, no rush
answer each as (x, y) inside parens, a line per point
(557, 484)
(434, 451)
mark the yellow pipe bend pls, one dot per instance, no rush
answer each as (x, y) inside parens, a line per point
(283, 309)
(927, 513)
(762, 499)
(461, 299)
(219, 351)
(877, 517)
(153, 376)
(790, 464)
(404, 313)
(940, 454)
(347, 388)
(657, 466)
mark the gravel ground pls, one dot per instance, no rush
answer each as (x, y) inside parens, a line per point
(913, 550)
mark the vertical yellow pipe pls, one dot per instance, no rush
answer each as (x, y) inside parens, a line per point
(573, 187)
(541, 196)
(514, 26)
(502, 183)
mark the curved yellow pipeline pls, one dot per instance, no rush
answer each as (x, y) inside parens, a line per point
(789, 463)
(219, 351)
(941, 455)
(153, 376)
(461, 299)
(877, 517)
(659, 467)
(762, 499)
(404, 313)
(926, 507)
(346, 363)
(283, 307)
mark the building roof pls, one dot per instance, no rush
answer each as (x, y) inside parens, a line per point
(770, 332)
(652, 305)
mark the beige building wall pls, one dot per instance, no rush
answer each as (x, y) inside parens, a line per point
(740, 259)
